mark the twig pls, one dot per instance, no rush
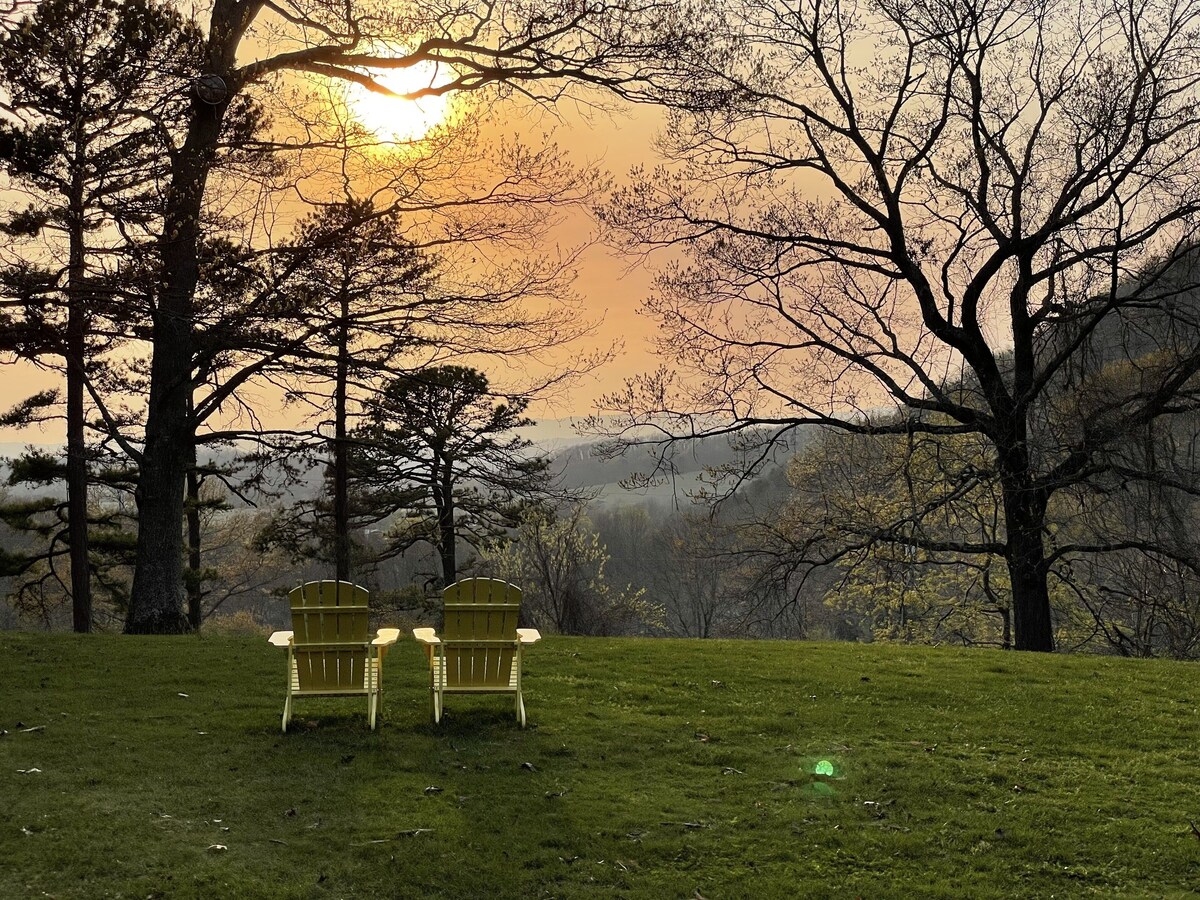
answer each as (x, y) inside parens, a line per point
(409, 832)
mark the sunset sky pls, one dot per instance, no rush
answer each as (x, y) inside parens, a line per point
(611, 287)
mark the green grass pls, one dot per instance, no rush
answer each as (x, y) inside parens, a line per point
(654, 769)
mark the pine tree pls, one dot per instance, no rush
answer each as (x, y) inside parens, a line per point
(90, 84)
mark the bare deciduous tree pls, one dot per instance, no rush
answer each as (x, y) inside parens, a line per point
(883, 200)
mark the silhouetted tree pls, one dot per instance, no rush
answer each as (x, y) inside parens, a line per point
(439, 453)
(534, 48)
(89, 85)
(973, 201)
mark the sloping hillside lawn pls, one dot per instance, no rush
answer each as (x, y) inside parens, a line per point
(653, 769)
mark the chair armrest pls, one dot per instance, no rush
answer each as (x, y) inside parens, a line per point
(281, 638)
(426, 636)
(386, 637)
(528, 635)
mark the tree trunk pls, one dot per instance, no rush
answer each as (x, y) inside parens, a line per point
(195, 593)
(444, 504)
(341, 476)
(77, 469)
(156, 597)
(1025, 519)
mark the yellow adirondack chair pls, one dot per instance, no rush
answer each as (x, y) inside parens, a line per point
(480, 649)
(330, 653)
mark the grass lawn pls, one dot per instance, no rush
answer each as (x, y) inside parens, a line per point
(656, 769)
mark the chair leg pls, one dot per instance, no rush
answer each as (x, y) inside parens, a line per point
(520, 709)
(374, 690)
(436, 674)
(287, 703)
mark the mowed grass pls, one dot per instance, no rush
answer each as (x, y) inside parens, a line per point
(655, 769)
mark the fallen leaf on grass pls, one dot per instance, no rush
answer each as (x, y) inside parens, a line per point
(34, 728)
(216, 848)
(433, 789)
(730, 770)
(28, 771)
(25, 831)
(568, 859)
(277, 841)
(552, 794)
(182, 694)
(529, 766)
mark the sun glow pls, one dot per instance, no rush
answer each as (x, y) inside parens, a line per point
(398, 118)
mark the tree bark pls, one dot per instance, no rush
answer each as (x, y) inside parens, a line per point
(445, 524)
(77, 469)
(195, 594)
(341, 475)
(1025, 554)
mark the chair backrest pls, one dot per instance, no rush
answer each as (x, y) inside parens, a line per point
(480, 632)
(329, 626)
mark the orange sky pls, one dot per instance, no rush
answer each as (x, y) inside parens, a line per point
(609, 287)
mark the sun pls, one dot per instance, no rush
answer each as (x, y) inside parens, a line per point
(397, 118)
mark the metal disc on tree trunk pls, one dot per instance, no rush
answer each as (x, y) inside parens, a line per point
(211, 89)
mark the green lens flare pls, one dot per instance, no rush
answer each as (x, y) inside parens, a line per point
(824, 767)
